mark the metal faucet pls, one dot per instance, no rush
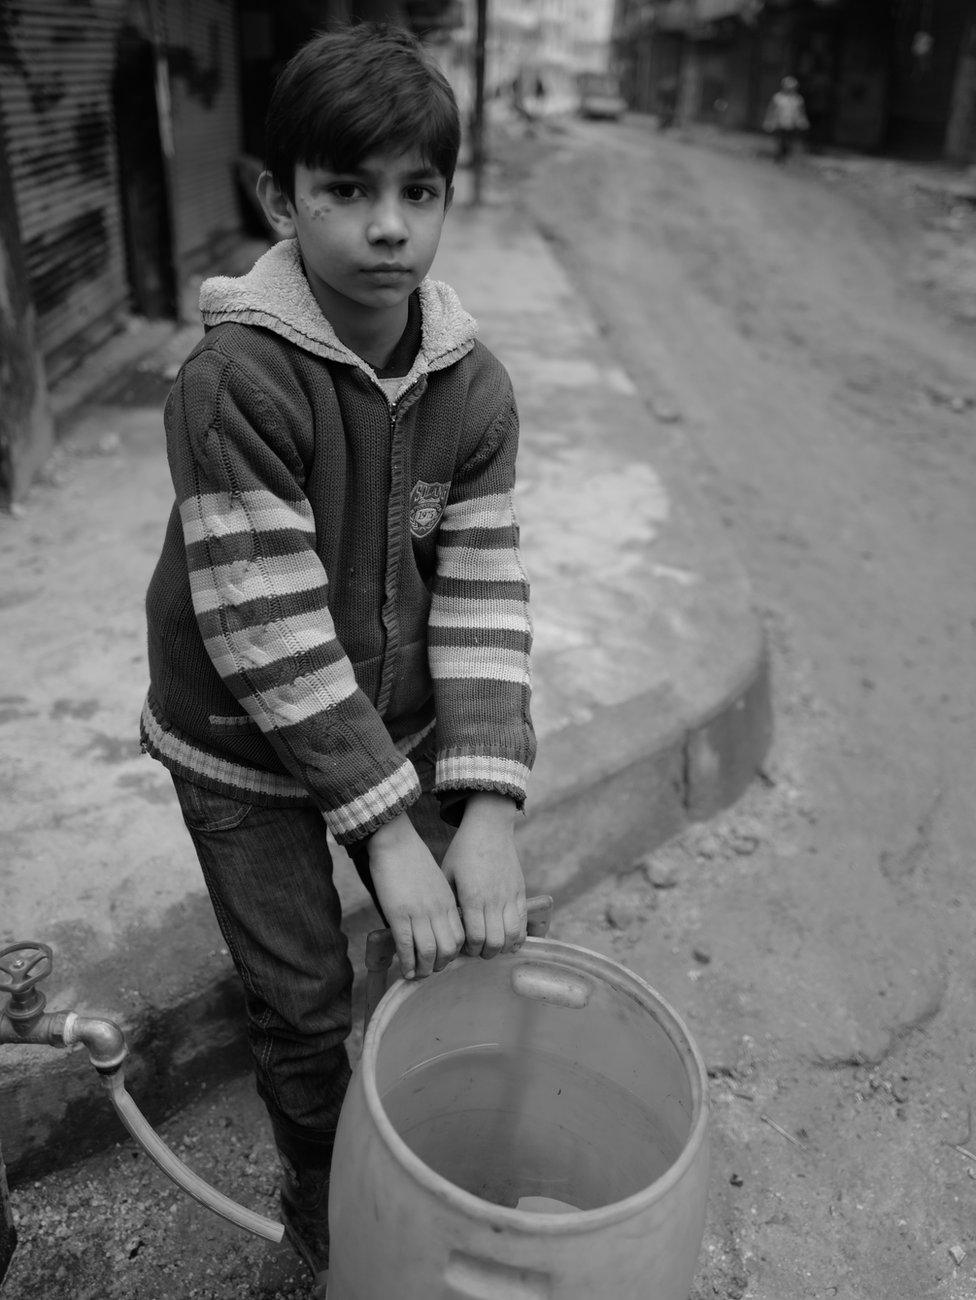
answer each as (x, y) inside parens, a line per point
(22, 967)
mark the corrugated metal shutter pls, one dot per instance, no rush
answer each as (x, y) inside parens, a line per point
(56, 63)
(201, 39)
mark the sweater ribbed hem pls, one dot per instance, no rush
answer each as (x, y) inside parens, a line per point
(189, 760)
(349, 822)
(469, 772)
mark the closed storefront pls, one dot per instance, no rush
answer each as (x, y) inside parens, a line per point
(201, 47)
(56, 62)
(122, 123)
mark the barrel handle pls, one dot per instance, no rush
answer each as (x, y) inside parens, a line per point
(469, 1277)
(381, 949)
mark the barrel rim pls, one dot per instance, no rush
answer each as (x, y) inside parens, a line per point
(532, 1222)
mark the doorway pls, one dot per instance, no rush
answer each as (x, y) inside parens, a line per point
(142, 177)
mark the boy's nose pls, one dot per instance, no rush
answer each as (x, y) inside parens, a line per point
(387, 225)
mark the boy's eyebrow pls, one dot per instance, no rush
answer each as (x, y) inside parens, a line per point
(427, 173)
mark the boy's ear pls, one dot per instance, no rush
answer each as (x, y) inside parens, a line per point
(276, 205)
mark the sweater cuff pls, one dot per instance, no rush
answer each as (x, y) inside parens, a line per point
(360, 817)
(461, 775)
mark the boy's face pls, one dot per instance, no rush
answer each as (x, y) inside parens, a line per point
(367, 236)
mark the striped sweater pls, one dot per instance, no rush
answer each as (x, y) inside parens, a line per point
(340, 576)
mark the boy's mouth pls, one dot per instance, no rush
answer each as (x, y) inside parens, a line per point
(387, 268)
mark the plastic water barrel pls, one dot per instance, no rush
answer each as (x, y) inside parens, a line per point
(533, 1127)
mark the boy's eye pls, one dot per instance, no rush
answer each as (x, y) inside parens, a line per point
(345, 190)
(420, 193)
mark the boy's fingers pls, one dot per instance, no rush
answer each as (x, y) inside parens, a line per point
(457, 929)
(474, 930)
(447, 943)
(425, 946)
(403, 937)
(494, 932)
(516, 920)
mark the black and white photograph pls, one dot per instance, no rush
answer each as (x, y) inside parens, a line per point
(487, 649)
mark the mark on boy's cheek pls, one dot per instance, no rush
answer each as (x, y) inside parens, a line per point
(315, 210)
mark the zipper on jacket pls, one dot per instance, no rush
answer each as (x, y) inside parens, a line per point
(394, 545)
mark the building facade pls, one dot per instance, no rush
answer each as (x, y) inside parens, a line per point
(121, 128)
(896, 75)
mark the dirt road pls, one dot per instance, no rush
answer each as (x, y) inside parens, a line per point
(794, 323)
(793, 329)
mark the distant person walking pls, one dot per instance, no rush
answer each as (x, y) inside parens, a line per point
(520, 108)
(667, 103)
(786, 118)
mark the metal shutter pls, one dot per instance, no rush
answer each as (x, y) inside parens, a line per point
(56, 64)
(201, 39)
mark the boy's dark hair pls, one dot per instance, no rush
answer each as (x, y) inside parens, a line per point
(351, 92)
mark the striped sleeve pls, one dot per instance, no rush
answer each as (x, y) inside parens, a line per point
(480, 631)
(260, 595)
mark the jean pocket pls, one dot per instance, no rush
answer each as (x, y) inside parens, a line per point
(205, 810)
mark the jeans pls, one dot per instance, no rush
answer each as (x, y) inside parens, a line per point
(786, 138)
(269, 875)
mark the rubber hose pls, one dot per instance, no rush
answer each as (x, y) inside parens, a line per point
(171, 1165)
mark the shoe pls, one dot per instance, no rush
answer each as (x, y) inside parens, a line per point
(305, 1215)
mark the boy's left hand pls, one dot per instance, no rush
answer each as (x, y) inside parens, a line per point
(487, 876)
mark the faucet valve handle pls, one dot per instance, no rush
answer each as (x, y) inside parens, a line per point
(22, 966)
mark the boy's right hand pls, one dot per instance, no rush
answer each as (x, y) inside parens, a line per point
(418, 903)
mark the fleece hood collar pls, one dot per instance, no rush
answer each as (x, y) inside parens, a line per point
(276, 295)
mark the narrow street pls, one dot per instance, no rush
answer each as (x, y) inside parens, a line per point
(819, 935)
(814, 360)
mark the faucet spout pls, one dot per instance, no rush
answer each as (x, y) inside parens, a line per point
(103, 1038)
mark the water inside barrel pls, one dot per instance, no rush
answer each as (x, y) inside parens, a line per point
(521, 1128)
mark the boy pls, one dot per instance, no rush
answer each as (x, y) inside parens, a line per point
(338, 622)
(786, 118)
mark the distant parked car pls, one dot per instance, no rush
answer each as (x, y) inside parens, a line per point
(600, 96)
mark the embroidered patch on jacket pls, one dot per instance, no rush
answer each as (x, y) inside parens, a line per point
(427, 502)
